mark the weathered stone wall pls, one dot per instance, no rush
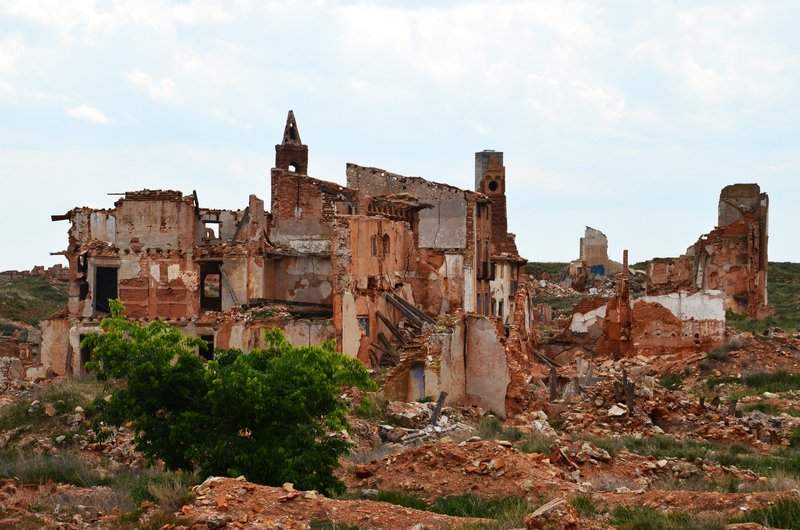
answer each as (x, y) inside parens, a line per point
(594, 253)
(468, 361)
(441, 227)
(57, 272)
(731, 258)
(678, 322)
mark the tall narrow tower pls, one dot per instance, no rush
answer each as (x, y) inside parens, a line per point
(292, 153)
(490, 179)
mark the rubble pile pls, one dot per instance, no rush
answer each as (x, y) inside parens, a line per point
(600, 410)
(703, 504)
(549, 289)
(53, 506)
(595, 470)
(236, 503)
(483, 467)
(13, 384)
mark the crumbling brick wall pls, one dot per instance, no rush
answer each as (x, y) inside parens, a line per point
(731, 258)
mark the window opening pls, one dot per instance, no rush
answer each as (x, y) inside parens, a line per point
(210, 287)
(493, 185)
(386, 245)
(105, 288)
(85, 354)
(83, 282)
(363, 321)
(374, 241)
(211, 229)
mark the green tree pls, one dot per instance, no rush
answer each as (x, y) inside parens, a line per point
(272, 415)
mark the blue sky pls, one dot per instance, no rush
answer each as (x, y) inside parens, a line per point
(628, 116)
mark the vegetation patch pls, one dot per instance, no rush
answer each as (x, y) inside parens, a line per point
(469, 505)
(785, 513)
(783, 291)
(770, 409)
(535, 443)
(271, 414)
(64, 395)
(31, 299)
(760, 382)
(65, 468)
(671, 381)
(645, 518)
(722, 353)
(562, 305)
(585, 506)
(538, 269)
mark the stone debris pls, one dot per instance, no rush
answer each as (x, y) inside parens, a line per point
(236, 503)
(557, 514)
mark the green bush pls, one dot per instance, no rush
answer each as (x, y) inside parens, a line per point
(270, 414)
(671, 381)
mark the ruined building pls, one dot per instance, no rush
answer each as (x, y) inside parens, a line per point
(686, 297)
(373, 264)
(732, 258)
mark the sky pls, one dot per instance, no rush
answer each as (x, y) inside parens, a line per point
(625, 115)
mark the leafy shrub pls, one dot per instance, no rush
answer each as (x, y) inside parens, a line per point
(269, 414)
(671, 381)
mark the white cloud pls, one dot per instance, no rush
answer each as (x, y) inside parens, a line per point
(79, 18)
(88, 113)
(163, 90)
(224, 117)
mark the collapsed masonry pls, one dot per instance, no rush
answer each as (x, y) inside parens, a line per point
(372, 265)
(593, 259)
(686, 297)
(732, 258)
(678, 322)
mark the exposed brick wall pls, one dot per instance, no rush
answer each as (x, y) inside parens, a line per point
(731, 258)
(296, 196)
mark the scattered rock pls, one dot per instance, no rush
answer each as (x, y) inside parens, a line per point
(557, 514)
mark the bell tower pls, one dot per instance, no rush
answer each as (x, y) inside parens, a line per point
(292, 153)
(490, 179)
